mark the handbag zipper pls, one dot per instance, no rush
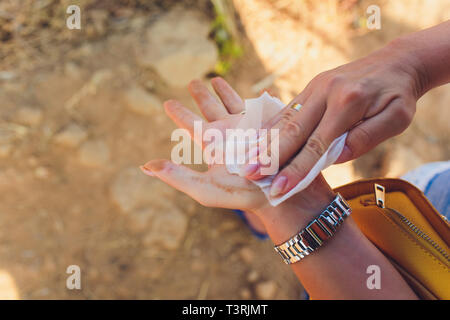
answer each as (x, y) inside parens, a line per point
(380, 200)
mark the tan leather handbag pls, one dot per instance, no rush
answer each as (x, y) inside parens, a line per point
(404, 225)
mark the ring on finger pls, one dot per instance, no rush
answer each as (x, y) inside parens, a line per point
(296, 106)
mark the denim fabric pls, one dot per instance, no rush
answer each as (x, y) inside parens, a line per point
(438, 192)
(434, 180)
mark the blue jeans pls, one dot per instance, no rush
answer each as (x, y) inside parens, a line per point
(434, 180)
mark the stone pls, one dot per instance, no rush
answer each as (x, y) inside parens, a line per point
(266, 290)
(29, 116)
(140, 101)
(132, 190)
(245, 294)
(41, 172)
(141, 219)
(247, 255)
(178, 48)
(166, 228)
(72, 70)
(253, 276)
(94, 153)
(198, 265)
(5, 150)
(98, 23)
(149, 206)
(7, 75)
(9, 134)
(71, 136)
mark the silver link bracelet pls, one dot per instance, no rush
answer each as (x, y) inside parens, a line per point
(316, 232)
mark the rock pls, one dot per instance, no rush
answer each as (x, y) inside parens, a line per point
(72, 70)
(7, 75)
(245, 294)
(198, 265)
(9, 134)
(148, 203)
(178, 48)
(28, 116)
(5, 150)
(167, 227)
(71, 136)
(252, 276)
(247, 255)
(163, 223)
(140, 101)
(141, 219)
(94, 153)
(98, 23)
(41, 172)
(132, 190)
(266, 290)
(32, 161)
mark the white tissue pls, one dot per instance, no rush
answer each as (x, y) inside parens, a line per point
(261, 109)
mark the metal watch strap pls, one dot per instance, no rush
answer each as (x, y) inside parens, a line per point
(316, 232)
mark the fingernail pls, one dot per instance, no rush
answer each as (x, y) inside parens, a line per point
(345, 155)
(249, 169)
(146, 171)
(278, 186)
(155, 165)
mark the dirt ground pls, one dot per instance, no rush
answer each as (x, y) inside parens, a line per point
(75, 124)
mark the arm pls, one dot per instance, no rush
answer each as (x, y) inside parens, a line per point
(430, 48)
(337, 270)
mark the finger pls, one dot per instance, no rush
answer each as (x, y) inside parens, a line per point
(210, 107)
(301, 98)
(182, 116)
(333, 124)
(395, 118)
(232, 101)
(193, 183)
(294, 128)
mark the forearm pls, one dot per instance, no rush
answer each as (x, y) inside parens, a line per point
(428, 52)
(337, 270)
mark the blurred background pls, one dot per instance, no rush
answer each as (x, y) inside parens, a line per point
(80, 110)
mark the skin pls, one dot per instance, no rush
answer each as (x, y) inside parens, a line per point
(373, 98)
(349, 251)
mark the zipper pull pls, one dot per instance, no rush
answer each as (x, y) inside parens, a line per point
(379, 195)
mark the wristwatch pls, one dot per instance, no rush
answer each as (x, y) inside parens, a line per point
(316, 232)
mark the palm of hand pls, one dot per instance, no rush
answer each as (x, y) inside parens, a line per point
(216, 187)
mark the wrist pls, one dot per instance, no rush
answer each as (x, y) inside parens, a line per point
(288, 218)
(410, 62)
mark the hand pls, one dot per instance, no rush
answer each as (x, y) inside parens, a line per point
(373, 98)
(216, 187)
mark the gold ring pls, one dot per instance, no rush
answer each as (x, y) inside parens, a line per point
(296, 106)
